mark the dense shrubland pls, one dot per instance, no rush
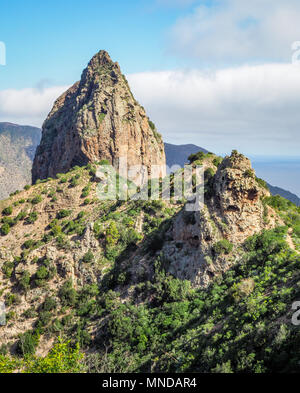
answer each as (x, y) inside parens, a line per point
(241, 323)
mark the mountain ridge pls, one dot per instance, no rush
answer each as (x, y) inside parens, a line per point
(17, 149)
(178, 155)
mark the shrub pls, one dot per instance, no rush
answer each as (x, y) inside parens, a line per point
(49, 304)
(29, 244)
(8, 268)
(42, 273)
(44, 318)
(5, 229)
(249, 173)
(112, 234)
(31, 219)
(277, 202)
(67, 294)
(37, 199)
(24, 281)
(85, 192)
(12, 298)
(196, 157)
(28, 343)
(152, 125)
(62, 358)
(74, 181)
(88, 257)
(217, 161)
(63, 213)
(262, 183)
(7, 211)
(104, 162)
(222, 247)
(21, 216)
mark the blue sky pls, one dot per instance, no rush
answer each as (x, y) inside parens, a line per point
(51, 41)
(220, 74)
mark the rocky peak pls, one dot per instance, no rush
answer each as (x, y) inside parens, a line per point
(235, 184)
(98, 119)
(204, 244)
(238, 198)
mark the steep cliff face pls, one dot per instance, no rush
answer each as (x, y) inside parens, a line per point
(98, 119)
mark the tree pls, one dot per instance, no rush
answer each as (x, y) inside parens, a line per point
(62, 358)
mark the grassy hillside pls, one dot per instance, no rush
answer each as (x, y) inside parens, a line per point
(90, 280)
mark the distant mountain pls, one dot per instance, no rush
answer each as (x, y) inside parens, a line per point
(178, 154)
(17, 149)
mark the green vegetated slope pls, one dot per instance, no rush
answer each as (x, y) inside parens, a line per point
(76, 303)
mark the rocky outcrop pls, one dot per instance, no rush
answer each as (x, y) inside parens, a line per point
(98, 119)
(204, 244)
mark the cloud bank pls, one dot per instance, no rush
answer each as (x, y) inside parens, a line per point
(28, 106)
(251, 108)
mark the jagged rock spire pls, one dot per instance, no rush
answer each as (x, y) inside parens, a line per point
(97, 119)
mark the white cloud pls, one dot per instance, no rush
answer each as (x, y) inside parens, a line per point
(238, 31)
(252, 108)
(28, 106)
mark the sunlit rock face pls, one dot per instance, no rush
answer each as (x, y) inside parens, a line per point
(99, 119)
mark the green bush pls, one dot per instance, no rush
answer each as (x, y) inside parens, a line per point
(31, 219)
(42, 273)
(8, 268)
(88, 257)
(222, 247)
(74, 181)
(196, 157)
(24, 281)
(49, 304)
(63, 358)
(37, 199)
(262, 183)
(112, 234)
(67, 294)
(5, 229)
(277, 202)
(152, 125)
(63, 213)
(7, 211)
(28, 343)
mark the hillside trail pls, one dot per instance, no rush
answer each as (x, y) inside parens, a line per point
(290, 242)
